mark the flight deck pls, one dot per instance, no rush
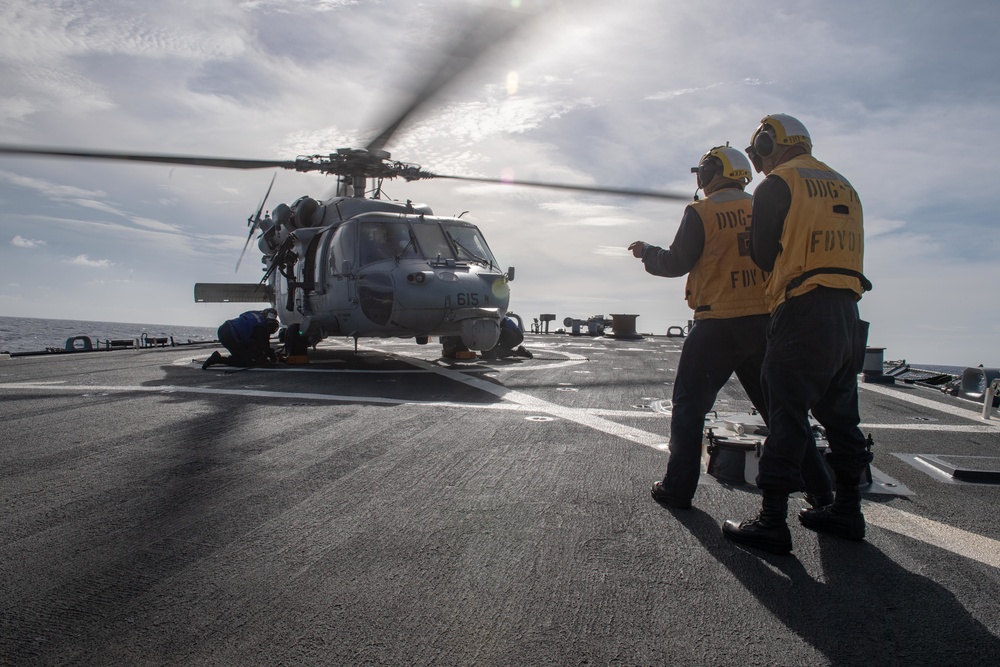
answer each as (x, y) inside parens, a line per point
(388, 506)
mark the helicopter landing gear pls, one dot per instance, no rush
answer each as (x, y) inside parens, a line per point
(452, 347)
(296, 346)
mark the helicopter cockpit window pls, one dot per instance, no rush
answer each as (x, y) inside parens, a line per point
(469, 243)
(433, 242)
(381, 240)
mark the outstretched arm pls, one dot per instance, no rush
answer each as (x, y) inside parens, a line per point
(683, 253)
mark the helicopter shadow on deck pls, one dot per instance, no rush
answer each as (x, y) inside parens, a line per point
(865, 609)
(386, 378)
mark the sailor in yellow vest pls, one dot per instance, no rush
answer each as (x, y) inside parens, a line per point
(726, 291)
(808, 234)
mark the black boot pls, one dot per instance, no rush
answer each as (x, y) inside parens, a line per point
(664, 497)
(768, 531)
(843, 518)
(819, 500)
(216, 358)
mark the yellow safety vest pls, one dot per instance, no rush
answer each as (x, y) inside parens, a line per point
(823, 238)
(725, 282)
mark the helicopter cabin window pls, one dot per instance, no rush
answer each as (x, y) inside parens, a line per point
(383, 240)
(469, 243)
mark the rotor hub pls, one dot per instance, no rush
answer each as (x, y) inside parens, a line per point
(360, 162)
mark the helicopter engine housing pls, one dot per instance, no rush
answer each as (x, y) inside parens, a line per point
(305, 210)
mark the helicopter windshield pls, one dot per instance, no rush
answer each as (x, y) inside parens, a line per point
(433, 242)
(469, 243)
(447, 240)
(380, 240)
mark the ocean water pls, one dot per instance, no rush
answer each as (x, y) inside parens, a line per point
(30, 334)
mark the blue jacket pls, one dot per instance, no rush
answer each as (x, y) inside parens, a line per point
(244, 325)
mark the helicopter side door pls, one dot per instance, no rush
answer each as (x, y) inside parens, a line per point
(382, 243)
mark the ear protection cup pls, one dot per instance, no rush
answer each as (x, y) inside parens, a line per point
(763, 144)
(707, 170)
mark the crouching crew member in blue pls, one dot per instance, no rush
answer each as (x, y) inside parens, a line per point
(726, 291)
(509, 343)
(808, 233)
(248, 339)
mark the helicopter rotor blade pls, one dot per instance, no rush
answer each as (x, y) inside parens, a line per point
(255, 221)
(491, 28)
(264, 200)
(190, 160)
(625, 192)
(245, 246)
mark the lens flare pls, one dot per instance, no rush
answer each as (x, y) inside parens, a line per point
(512, 83)
(501, 291)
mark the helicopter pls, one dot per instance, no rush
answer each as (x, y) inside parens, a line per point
(357, 264)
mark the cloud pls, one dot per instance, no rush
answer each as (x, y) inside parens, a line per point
(668, 94)
(899, 101)
(21, 242)
(296, 6)
(47, 187)
(83, 260)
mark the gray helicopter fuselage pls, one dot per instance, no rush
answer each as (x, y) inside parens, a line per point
(372, 268)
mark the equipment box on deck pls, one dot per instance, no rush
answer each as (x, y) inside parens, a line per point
(732, 448)
(732, 460)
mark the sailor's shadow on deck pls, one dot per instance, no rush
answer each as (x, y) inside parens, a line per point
(860, 612)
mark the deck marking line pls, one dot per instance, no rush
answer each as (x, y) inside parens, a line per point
(571, 414)
(961, 542)
(926, 403)
(943, 428)
(588, 420)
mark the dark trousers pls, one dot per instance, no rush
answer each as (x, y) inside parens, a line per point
(816, 348)
(713, 351)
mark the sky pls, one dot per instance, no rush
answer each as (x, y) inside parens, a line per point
(901, 97)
